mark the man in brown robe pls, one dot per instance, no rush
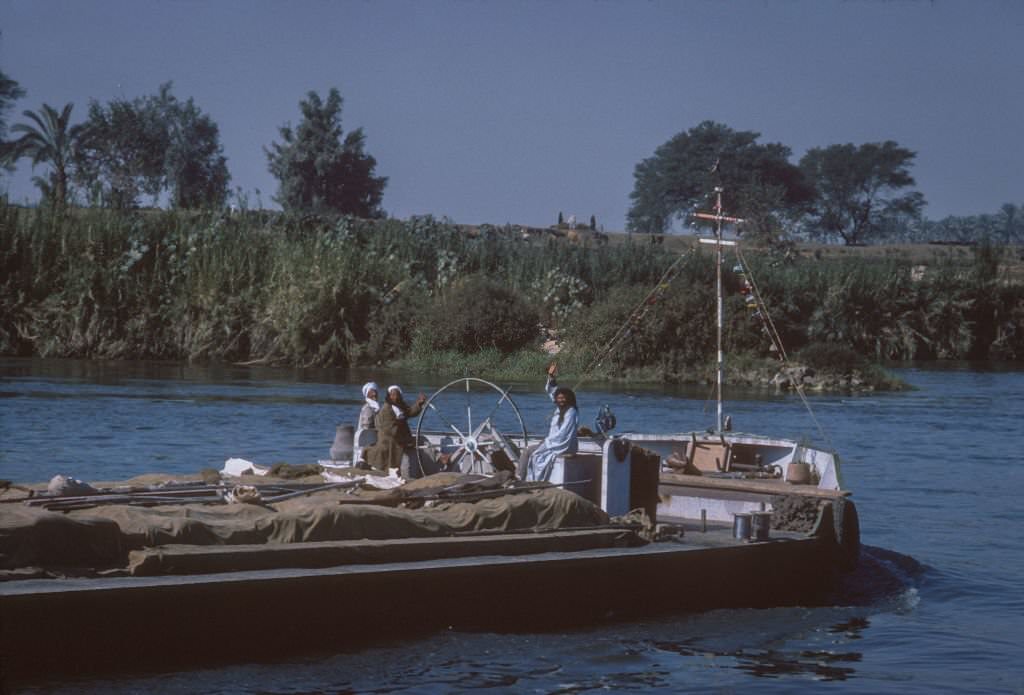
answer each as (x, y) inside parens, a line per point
(393, 434)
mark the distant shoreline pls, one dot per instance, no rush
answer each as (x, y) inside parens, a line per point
(260, 288)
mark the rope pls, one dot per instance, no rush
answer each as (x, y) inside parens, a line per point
(635, 317)
(773, 334)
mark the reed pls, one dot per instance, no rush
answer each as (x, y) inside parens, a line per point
(307, 290)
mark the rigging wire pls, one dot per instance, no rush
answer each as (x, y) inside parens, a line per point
(635, 317)
(640, 311)
(780, 350)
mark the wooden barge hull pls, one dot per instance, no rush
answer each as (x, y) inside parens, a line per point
(69, 627)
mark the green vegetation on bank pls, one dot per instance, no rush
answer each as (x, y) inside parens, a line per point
(317, 290)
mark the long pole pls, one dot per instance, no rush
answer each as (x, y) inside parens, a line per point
(718, 248)
(719, 242)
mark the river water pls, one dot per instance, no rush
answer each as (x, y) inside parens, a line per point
(936, 473)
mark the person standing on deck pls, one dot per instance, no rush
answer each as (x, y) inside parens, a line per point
(368, 415)
(393, 434)
(561, 437)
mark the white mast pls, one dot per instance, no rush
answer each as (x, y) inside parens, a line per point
(719, 218)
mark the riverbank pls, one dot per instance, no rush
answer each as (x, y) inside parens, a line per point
(747, 371)
(262, 287)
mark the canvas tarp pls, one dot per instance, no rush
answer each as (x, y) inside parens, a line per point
(102, 536)
(35, 537)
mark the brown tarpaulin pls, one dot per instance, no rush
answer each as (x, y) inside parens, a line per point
(35, 537)
(102, 536)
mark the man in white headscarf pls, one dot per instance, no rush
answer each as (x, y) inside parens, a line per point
(367, 416)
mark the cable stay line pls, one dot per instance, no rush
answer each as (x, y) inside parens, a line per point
(636, 317)
(773, 335)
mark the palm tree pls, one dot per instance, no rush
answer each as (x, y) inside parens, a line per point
(47, 140)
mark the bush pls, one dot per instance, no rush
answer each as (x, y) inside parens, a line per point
(392, 327)
(831, 357)
(477, 314)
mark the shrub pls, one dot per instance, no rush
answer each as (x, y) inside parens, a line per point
(831, 357)
(476, 314)
(393, 326)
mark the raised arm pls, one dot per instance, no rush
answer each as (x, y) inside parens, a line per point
(552, 384)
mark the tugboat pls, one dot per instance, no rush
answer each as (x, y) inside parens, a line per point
(752, 483)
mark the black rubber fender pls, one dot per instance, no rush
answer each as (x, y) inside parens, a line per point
(620, 447)
(847, 530)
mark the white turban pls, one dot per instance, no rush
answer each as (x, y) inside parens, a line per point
(367, 387)
(399, 413)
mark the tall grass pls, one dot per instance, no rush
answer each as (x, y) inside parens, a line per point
(306, 290)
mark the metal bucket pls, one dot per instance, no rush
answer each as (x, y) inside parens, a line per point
(762, 524)
(798, 473)
(741, 526)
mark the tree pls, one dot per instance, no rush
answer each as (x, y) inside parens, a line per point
(318, 170)
(10, 92)
(858, 189)
(152, 145)
(195, 168)
(120, 154)
(685, 170)
(47, 139)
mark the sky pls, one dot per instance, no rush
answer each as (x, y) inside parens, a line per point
(515, 110)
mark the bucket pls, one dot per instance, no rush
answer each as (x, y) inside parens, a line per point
(741, 525)
(761, 525)
(344, 437)
(798, 473)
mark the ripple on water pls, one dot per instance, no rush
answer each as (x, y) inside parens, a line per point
(934, 472)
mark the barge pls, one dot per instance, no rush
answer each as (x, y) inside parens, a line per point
(248, 568)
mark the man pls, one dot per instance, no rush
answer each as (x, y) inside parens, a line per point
(368, 415)
(394, 437)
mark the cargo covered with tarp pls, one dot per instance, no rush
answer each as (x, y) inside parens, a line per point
(103, 536)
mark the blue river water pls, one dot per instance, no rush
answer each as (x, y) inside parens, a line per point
(936, 473)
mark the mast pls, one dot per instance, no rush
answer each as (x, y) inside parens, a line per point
(719, 217)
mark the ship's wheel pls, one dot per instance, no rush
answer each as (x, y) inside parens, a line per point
(476, 420)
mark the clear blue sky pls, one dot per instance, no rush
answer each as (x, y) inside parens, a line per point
(511, 111)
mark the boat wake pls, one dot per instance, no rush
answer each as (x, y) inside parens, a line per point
(881, 577)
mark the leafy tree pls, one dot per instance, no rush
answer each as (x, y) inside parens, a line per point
(47, 139)
(120, 154)
(152, 145)
(859, 188)
(195, 168)
(685, 170)
(319, 170)
(10, 92)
